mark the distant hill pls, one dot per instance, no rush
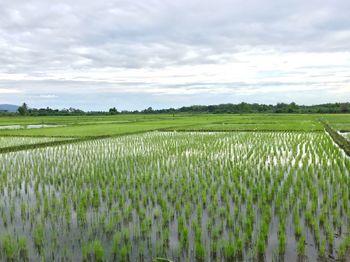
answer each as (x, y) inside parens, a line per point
(8, 108)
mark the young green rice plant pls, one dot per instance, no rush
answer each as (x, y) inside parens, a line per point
(342, 251)
(239, 248)
(214, 248)
(46, 209)
(23, 211)
(184, 238)
(4, 218)
(197, 232)
(229, 251)
(166, 238)
(39, 236)
(81, 214)
(9, 247)
(116, 244)
(98, 251)
(200, 251)
(297, 230)
(317, 234)
(323, 249)
(87, 252)
(261, 246)
(23, 248)
(12, 213)
(330, 235)
(281, 242)
(301, 246)
(124, 253)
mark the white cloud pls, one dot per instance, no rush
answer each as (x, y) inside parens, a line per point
(8, 91)
(48, 96)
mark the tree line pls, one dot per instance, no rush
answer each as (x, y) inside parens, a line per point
(241, 108)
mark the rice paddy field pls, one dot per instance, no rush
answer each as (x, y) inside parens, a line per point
(180, 188)
(8, 141)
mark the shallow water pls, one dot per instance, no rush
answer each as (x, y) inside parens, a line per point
(181, 169)
(28, 126)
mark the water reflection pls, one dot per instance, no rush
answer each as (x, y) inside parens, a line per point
(27, 126)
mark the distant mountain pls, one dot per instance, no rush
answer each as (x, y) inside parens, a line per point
(8, 108)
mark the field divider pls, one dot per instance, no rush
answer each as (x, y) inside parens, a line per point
(341, 141)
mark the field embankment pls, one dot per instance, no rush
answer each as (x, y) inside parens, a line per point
(340, 140)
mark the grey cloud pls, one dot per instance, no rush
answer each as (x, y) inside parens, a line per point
(158, 33)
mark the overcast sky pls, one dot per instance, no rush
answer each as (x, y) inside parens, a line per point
(133, 54)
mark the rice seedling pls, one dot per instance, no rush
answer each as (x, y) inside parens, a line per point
(301, 246)
(9, 247)
(23, 248)
(323, 249)
(98, 251)
(200, 251)
(176, 195)
(39, 237)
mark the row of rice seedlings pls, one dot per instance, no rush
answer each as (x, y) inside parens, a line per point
(184, 196)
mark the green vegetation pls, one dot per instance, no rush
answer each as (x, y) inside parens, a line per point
(103, 188)
(177, 195)
(341, 140)
(241, 108)
(275, 122)
(23, 109)
(114, 125)
(102, 126)
(8, 141)
(337, 122)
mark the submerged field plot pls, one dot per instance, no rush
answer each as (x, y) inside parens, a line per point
(184, 196)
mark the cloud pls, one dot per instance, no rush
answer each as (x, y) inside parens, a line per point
(8, 91)
(48, 96)
(197, 49)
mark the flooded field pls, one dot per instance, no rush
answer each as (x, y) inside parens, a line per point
(185, 196)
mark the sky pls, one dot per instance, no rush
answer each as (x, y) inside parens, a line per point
(133, 54)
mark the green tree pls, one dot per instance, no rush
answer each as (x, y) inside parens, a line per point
(345, 108)
(113, 111)
(23, 109)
